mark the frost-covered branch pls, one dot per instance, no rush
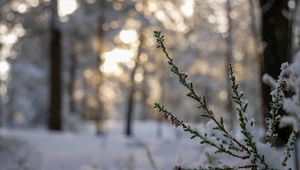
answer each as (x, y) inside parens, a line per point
(245, 124)
(289, 148)
(195, 133)
(250, 152)
(201, 100)
(276, 103)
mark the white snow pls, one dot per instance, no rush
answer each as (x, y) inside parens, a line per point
(112, 151)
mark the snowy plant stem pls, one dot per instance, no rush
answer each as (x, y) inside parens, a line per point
(290, 147)
(296, 154)
(195, 133)
(218, 168)
(243, 119)
(276, 103)
(192, 94)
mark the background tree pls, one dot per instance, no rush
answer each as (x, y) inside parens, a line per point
(100, 37)
(132, 87)
(72, 80)
(228, 61)
(55, 118)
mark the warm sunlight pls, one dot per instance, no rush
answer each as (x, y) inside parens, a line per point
(188, 8)
(4, 68)
(128, 36)
(223, 95)
(9, 39)
(115, 57)
(66, 7)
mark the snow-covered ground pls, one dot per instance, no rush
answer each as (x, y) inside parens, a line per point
(112, 151)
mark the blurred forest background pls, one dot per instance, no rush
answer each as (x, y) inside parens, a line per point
(63, 62)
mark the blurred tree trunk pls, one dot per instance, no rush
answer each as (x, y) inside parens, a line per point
(132, 88)
(159, 129)
(276, 36)
(229, 54)
(1, 112)
(83, 102)
(295, 27)
(1, 103)
(145, 95)
(257, 47)
(100, 37)
(72, 80)
(55, 120)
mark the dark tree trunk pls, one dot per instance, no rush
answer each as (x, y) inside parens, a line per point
(99, 119)
(276, 36)
(132, 89)
(55, 120)
(228, 61)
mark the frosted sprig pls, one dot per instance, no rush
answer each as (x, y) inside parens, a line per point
(245, 124)
(289, 148)
(276, 103)
(250, 151)
(225, 142)
(195, 133)
(201, 100)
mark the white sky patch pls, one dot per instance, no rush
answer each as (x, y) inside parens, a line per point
(113, 58)
(128, 36)
(188, 8)
(66, 7)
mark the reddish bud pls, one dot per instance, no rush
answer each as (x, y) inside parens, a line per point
(175, 121)
(166, 116)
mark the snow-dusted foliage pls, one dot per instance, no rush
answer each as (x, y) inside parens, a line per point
(289, 80)
(232, 152)
(292, 104)
(276, 103)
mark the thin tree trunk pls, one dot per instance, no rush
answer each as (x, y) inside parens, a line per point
(72, 80)
(1, 103)
(55, 120)
(257, 46)
(1, 95)
(295, 24)
(132, 89)
(159, 129)
(228, 61)
(83, 102)
(144, 91)
(100, 36)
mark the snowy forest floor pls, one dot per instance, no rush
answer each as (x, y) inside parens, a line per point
(83, 150)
